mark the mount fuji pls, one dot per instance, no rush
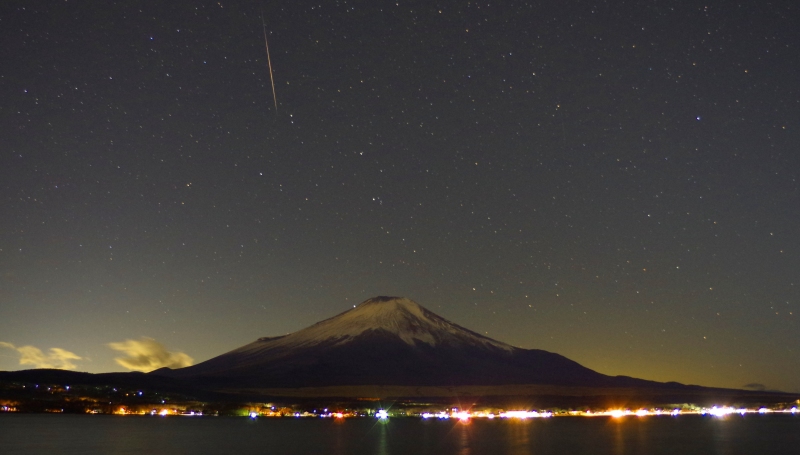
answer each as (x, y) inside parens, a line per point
(390, 341)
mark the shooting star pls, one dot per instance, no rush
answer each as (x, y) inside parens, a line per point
(269, 62)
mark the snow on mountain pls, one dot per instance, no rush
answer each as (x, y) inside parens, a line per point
(397, 316)
(387, 341)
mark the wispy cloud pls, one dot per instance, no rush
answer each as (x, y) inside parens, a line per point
(148, 354)
(33, 356)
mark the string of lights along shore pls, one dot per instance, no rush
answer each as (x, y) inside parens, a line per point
(615, 183)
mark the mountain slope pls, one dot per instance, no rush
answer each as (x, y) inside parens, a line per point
(389, 341)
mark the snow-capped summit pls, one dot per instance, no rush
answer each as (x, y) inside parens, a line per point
(397, 316)
(386, 341)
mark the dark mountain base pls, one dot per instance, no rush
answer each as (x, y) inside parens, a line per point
(533, 396)
(21, 386)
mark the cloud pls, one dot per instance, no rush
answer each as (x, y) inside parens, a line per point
(148, 354)
(33, 356)
(755, 386)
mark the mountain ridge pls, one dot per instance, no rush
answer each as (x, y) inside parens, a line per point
(394, 348)
(390, 341)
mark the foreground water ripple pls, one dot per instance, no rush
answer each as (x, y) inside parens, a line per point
(79, 434)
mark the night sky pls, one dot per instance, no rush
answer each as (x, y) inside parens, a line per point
(616, 182)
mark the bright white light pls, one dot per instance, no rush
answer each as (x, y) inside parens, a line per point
(723, 411)
(763, 410)
(427, 415)
(253, 414)
(524, 414)
(463, 415)
(642, 412)
(382, 414)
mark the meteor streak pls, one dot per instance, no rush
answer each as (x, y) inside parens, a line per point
(269, 62)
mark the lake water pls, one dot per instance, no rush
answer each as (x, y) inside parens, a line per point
(693, 434)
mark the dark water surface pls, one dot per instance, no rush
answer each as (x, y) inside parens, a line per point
(79, 434)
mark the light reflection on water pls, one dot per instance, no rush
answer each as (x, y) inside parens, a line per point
(619, 437)
(465, 439)
(518, 438)
(383, 438)
(65, 434)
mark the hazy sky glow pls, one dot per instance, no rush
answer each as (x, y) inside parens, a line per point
(617, 184)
